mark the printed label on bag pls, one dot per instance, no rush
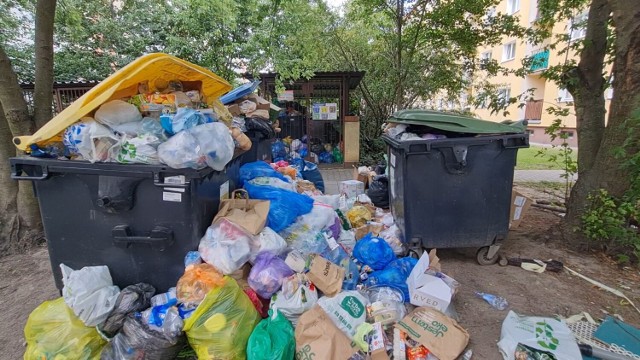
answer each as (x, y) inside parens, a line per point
(224, 190)
(175, 189)
(331, 242)
(175, 180)
(171, 196)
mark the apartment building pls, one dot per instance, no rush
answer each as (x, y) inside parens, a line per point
(544, 94)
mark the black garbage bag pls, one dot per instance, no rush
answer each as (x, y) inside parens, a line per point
(139, 341)
(378, 191)
(133, 298)
(260, 126)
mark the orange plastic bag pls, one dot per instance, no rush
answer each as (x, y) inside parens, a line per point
(196, 282)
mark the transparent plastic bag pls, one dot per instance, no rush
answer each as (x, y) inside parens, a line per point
(298, 295)
(358, 216)
(184, 118)
(196, 282)
(285, 205)
(272, 339)
(133, 298)
(226, 246)
(340, 257)
(267, 274)
(208, 144)
(141, 149)
(267, 240)
(221, 325)
(116, 112)
(387, 305)
(153, 127)
(91, 140)
(392, 236)
(273, 181)
(374, 252)
(54, 332)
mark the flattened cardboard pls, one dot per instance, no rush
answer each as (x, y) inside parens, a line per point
(318, 338)
(520, 204)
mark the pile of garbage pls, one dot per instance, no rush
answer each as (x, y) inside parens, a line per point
(172, 125)
(251, 114)
(312, 149)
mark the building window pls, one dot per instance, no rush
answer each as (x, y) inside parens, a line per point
(509, 51)
(485, 57)
(513, 6)
(578, 29)
(530, 132)
(567, 134)
(504, 95)
(564, 96)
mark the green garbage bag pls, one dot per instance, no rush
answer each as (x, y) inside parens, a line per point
(272, 339)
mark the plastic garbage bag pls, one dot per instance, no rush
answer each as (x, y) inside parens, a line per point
(196, 282)
(285, 205)
(221, 325)
(347, 310)
(89, 292)
(298, 295)
(331, 200)
(116, 112)
(208, 144)
(313, 174)
(392, 236)
(340, 257)
(272, 339)
(267, 240)
(337, 155)
(261, 126)
(278, 150)
(387, 305)
(153, 127)
(258, 169)
(273, 181)
(379, 191)
(267, 274)
(192, 258)
(358, 216)
(306, 242)
(140, 149)
(54, 332)
(141, 341)
(184, 118)
(347, 240)
(132, 299)
(226, 246)
(374, 252)
(91, 140)
(532, 337)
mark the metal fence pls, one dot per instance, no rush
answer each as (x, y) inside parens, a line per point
(63, 94)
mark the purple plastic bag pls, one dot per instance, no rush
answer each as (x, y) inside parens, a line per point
(336, 228)
(267, 274)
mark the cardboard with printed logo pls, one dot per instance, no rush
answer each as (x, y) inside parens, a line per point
(326, 275)
(443, 336)
(318, 338)
(427, 286)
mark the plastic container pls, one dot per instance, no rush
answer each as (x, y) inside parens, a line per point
(454, 192)
(139, 220)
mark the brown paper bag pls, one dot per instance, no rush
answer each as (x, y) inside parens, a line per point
(436, 331)
(251, 215)
(373, 228)
(326, 275)
(318, 338)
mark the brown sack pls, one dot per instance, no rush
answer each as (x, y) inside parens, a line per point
(436, 331)
(318, 338)
(251, 215)
(326, 275)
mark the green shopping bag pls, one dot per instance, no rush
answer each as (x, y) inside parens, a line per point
(272, 339)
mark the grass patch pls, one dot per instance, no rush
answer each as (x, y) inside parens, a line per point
(543, 185)
(529, 159)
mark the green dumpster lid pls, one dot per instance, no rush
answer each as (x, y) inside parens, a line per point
(454, 122)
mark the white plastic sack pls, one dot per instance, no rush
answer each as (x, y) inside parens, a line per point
(542, 334)
(208, 144)
(116, 112)
(140, 149)
(91, 140)
(267, 240)
(298, 295)
(321, 217)
(89, 292)
(225, 246)
(331, 200)
(347, 310)
(273, 181)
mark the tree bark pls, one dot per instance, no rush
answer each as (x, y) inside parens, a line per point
(12, 101)
(9, 220)
(399, 22)
(43, 94)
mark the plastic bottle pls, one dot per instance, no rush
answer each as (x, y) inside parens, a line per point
(497, 302)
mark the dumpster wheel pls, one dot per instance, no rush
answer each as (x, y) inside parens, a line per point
(483, 258)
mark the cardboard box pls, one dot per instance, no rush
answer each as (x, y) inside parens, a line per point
(520, 204)
(430, 288)
(261, 103)
(234, 109)
(351, 188)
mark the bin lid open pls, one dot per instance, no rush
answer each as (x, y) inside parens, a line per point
(124, 82)
(453, 122)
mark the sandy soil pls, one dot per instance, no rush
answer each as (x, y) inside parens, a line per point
(26, 281)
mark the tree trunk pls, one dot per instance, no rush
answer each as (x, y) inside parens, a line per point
(586, 83)
(43, 94)
(399, 21)
(607, 171)
(12, 101)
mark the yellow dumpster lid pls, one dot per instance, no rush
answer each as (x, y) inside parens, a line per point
(155, 68)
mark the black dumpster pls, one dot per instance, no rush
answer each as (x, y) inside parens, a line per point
(139, 220)
(456, 191)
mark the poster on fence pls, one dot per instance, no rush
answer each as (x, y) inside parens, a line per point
(325, 111)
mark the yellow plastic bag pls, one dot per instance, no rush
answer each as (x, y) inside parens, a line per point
(54, 332)
(358, 216)
(221, 325)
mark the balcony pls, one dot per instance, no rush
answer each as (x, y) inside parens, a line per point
(533, 111)
(539, 60)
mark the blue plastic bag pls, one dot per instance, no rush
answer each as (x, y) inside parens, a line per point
(313, 174)
(285, 205)
(325, 157)
(374, 252)
(391, 277)
(252, 170)
(278, 150)
(340, 257)
(185, 118)
(404, 264)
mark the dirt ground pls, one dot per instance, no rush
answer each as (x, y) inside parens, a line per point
(26, 281)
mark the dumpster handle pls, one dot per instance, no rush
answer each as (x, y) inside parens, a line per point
(158, 180)
(16, 170)
(160, 237)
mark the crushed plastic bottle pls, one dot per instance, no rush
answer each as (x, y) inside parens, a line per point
(497, 302)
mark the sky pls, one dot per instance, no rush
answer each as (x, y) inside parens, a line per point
(335, 3)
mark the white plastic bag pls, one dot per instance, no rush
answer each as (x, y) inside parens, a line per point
(298, 295)
(140, 149)
(539, 334)
(273, 181)
(89, 292)
(91, 140)
(226, 246)
(331, 200)
(347, 310)
(208, 144)
(267, 240)
(116, 112)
